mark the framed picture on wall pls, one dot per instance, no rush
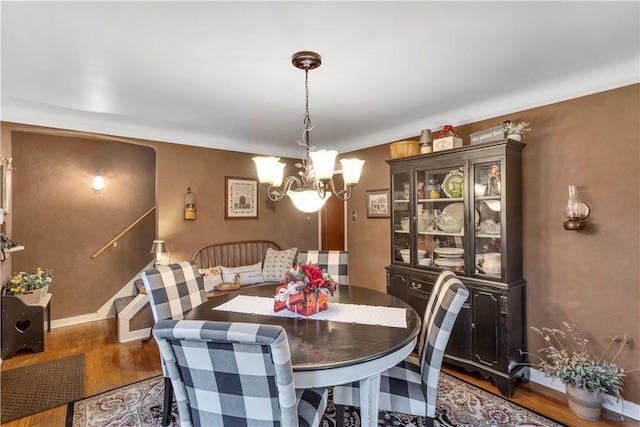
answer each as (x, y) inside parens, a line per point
(241, 198)
(378, 203)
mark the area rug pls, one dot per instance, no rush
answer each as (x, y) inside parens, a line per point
(35, 388)
(459, 404)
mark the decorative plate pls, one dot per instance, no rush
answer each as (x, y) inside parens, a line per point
(453, 176)
(453, 215)
(449, 252)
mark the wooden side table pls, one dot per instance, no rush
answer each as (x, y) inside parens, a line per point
(23, 325)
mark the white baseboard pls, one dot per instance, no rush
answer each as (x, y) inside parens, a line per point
(619, 406)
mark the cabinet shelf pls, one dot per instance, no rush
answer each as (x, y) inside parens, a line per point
(443, 199)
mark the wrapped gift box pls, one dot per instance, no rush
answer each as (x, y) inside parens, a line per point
(311, 304)
(292, 299)
(446, 143)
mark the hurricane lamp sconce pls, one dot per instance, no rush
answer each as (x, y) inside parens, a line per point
(98, 183)
(189, 205)
(158, 248)
(575, 210)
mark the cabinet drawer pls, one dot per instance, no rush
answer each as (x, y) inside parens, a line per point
(420, 285)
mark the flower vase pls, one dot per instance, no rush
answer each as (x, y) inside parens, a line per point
(515, 137)
(584, 403)
(33, 297)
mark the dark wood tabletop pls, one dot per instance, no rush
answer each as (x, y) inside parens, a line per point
(322, 344)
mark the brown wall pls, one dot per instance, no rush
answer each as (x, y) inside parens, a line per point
(591, 277)
(62, 222)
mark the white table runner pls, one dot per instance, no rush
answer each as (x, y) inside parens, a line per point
(394, 317)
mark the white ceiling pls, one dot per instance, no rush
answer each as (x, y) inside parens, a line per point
(218, 74)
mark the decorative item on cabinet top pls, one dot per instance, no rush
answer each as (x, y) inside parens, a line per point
(405, 148)
(448, 138)
(515, 130)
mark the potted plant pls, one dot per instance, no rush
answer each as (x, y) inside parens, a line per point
(567, 358)
(30, 287)
(515, 130)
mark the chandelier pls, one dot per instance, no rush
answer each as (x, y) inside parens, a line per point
(310, 191)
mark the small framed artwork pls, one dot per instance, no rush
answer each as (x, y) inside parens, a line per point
(378, 203)
(241, 198)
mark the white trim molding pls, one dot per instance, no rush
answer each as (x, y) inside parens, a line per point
(619, 406)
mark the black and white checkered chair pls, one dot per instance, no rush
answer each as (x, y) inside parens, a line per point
(173, 290)
(335, 262)
(409, 388)
(235, 374)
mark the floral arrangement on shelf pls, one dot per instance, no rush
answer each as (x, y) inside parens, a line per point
(310, 279)
(24, 282)
(567, 358)
(515, 128)
(448, 130)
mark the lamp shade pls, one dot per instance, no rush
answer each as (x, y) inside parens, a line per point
(158, 247)
(351, 169)
(270, 170)
(308, 200)
(323, 163)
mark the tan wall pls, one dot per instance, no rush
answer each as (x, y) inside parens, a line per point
(592, 277)
(62, 222)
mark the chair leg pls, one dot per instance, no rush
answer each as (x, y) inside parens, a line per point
(340, 415)
(428, 422)
(168, 401)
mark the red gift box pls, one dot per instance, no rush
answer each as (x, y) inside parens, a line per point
(311, 304)
(286, 297)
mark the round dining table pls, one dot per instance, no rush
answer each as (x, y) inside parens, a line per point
(325, 352)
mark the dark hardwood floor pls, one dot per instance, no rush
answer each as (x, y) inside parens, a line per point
(110, 365)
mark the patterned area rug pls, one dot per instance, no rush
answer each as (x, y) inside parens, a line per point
(36, 388)
(459, 404)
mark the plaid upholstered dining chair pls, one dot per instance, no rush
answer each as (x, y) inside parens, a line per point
(411, 388)
(235, 374)
(335, 262)
(173, 290)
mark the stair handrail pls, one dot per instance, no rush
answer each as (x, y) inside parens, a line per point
(122, 233)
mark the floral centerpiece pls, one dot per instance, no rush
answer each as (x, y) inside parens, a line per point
(515, 130)
(31, 286)
(305, 290)
(448, 137)
(24, 282)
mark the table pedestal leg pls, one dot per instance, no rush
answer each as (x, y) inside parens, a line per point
(369, 389)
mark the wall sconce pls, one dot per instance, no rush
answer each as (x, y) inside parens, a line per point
(98, 183)
(189, 205)
(158, 248)
(575, 210)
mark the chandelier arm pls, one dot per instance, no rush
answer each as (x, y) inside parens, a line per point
(344, 194)
(276, 195)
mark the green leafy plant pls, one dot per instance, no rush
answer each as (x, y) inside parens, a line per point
(566, 357)
(24, 282)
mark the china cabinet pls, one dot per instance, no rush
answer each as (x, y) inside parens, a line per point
(468, 219)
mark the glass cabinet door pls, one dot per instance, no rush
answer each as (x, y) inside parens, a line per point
(487, 195)
(401, 217)
(440, 218)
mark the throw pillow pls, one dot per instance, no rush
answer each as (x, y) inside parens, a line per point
(211, 276)
(248, 274)
(276, 263)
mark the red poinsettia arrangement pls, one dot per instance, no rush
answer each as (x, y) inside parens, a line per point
(448, 130)
(310, 279)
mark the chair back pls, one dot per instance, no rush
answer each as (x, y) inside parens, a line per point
(445, 302)
(173, 290)
(226, 373)
(335, 262)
